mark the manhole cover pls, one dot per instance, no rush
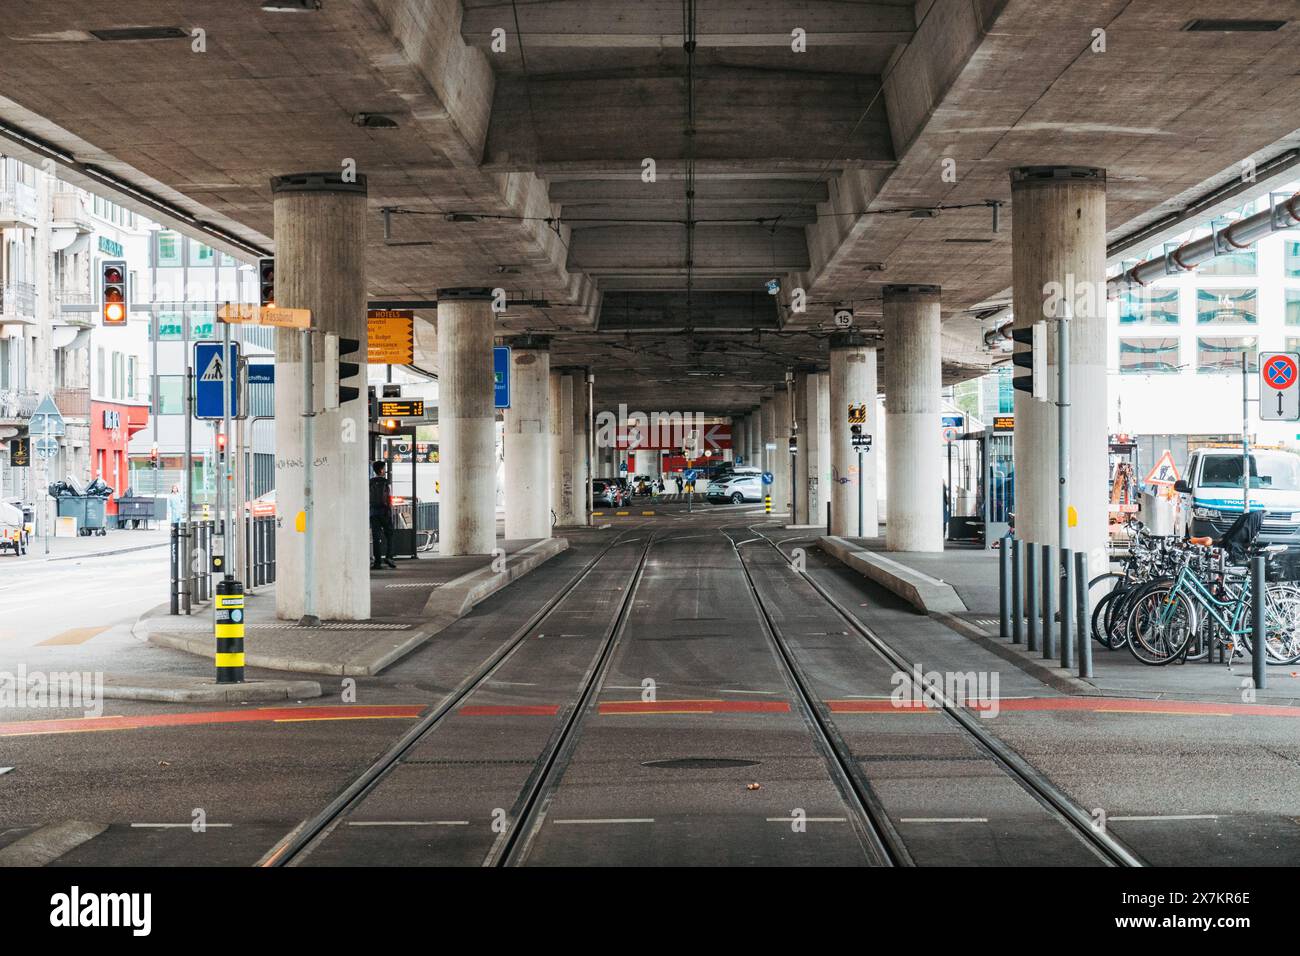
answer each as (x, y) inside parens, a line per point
(700, 763)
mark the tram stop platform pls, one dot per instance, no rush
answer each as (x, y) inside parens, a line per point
(409, 605)
(959, 587)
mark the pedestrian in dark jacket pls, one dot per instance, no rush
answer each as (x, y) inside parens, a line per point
(381, 516)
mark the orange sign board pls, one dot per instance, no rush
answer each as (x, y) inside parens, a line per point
(390, 337)
(269, 315)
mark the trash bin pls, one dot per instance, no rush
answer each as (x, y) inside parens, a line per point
(87, 509)
(134, 510)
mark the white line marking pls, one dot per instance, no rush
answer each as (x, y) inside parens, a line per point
(611, 820)
(1172, 816)
(944, 820)
(177, 826)
(806, 819)
(5, 770)
(408, 823)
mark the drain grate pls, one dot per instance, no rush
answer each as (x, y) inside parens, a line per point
(700, 763)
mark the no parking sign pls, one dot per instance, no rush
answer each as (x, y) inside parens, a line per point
(1279, 386)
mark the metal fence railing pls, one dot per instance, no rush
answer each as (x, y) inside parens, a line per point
(193, 585)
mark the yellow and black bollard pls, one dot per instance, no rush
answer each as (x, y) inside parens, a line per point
(228, 609)
(767, 504)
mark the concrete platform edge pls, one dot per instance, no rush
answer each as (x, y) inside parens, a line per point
(1054, 677)
(928, 595)
(207, 692)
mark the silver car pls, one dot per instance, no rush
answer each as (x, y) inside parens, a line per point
(736, 488)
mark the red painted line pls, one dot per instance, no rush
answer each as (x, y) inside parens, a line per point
(694, 707)
(885, 706)
(1126, 705)
(502, 710)
(77, 725)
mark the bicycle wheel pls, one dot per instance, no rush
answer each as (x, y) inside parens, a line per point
(1160, 624)
(1281, 624)
(1117, 614)
(1099, 632)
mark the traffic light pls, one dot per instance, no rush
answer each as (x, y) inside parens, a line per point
(389, 425)
(113, 291)
(153, 455)
(348, 370)
(266, 281)
(221, 448)
(1035, 336)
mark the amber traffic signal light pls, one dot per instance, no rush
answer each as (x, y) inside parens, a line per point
(266, 281)
(113, 291)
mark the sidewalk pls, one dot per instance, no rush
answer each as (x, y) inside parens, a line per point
(92, 546)
(408, 606)
(930, 582)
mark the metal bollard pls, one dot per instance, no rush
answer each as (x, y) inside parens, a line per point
(1067, 608)
(1050, 573)
(1259, 654)
(1017, 597)
(1031, 594)
(1084, 613)
(228, 618)
(1004, 587)
(767, 504)
(828, 518)
(176, 571)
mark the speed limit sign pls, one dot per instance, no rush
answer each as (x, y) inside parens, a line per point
(843, 318)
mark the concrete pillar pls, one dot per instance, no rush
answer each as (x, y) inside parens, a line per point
(767, 428)
(528, 461)
(812, 410)
(779, 463)
(852, 382)
(581, 425)
(754, 438)
(563, 488)
(913, 386)
(466, 422)
(738, 438)
(1058, 253)
(320, 253)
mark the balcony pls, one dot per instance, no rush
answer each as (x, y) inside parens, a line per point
(18, 207)
(17, 406)
(69, 212)
(74, 308)
(18, 304)
(73, 402)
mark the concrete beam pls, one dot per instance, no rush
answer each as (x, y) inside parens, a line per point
(720, 23)
(718, 192)
(742, 114)
(654, 250)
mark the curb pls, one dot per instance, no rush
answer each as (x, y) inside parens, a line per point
(204, 692)
(1049, 675)
(104, 554)
(459, 596)
(928, 595)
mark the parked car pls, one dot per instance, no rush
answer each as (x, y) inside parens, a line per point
(605, 493)
(735, 488)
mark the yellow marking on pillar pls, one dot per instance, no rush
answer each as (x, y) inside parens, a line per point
(230, 660)
(300, 522)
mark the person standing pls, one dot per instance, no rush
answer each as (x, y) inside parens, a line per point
(381, 516)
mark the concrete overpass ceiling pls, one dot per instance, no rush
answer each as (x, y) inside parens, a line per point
(798, 158)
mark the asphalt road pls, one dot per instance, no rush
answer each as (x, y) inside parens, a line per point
(694, 750)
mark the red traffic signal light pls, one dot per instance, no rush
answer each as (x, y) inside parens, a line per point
(266, 281)
(113, 291)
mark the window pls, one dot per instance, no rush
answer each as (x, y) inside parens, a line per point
(130, 376)
(1223, 354)
(1292, 344)
(1149, 306)
(99, 368)
(169, 326)
(1292, 307)
(1226, 306)
(117, 375)
(1147, 356)
(200, 255)
(171, 395)
(169, 249)
(202, 324)
(1291, 259)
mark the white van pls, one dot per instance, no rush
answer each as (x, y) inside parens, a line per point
(1211, 493)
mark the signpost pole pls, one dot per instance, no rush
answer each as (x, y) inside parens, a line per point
(227, 478)
(1245, 440)
(309, 618)
(189, 573)
(861, 492)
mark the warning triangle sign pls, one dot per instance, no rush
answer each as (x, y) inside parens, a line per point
(1164, 473)
(215, 371)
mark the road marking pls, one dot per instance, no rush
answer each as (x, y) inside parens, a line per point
(806, 819)
(408, 823)
(49, 843)
(615, 707)
(76, 725)
(943, 820)
(507, 710)
(177, 826)
(610, 820)
(5, 770)
(77, 635)
(1170, 816)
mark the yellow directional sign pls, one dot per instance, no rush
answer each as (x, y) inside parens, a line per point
(858, 414)
(269, 315)
(390, 336)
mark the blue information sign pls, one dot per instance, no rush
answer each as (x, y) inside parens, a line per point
(767, 478)
(260, 373)
(690, 474)
(209, 374)
(501, 372)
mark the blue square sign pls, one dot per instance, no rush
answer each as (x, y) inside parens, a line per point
(501, 374)
(209, 373)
